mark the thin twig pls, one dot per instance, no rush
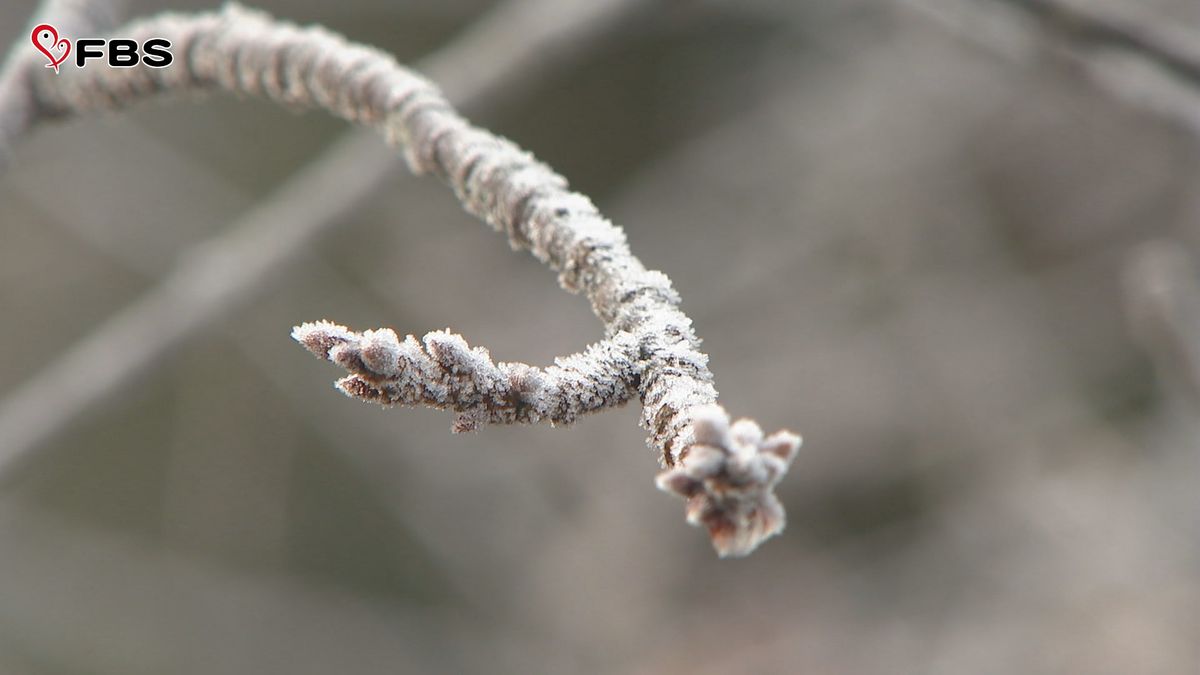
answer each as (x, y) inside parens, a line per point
(1162, 301)
(1152, 65)
(727, 473)
(1174, 50)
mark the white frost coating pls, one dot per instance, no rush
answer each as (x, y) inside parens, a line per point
(650, 349)
(727, 477)
(443, 371)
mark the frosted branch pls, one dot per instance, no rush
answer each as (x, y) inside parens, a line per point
(442, 371)
(650, 343)
(728, 477)
(224, 272)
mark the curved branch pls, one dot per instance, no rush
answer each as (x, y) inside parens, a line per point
(247, 52)
(224, 272)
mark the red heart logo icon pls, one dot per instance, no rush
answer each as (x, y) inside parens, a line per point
(45, 38)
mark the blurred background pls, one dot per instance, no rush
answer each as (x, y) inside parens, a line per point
(950, 242)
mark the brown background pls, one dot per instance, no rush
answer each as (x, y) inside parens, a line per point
(927, 256)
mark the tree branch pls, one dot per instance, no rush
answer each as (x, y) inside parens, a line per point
(1162, 303)
(1092, 27)
(442, 371)
(1152, 65)
(218, 275)
(246, 52)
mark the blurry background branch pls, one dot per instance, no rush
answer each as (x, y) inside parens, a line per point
(1142, 61)
(1095, 25)
(1123, 49)
(1163, 300)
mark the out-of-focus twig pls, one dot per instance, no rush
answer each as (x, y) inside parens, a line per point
(221, 274)
(1154, 65)
(1162, 298)
(1170, 46)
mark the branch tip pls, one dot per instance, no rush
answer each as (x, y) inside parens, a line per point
(728, 477)
(319, 337)
(443, 371)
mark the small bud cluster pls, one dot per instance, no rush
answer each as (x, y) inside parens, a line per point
(727, 477)
(443, 371)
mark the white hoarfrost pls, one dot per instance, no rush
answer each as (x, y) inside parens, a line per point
(649, 350)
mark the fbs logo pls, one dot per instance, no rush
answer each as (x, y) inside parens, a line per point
(45, 38)
(119, 53)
